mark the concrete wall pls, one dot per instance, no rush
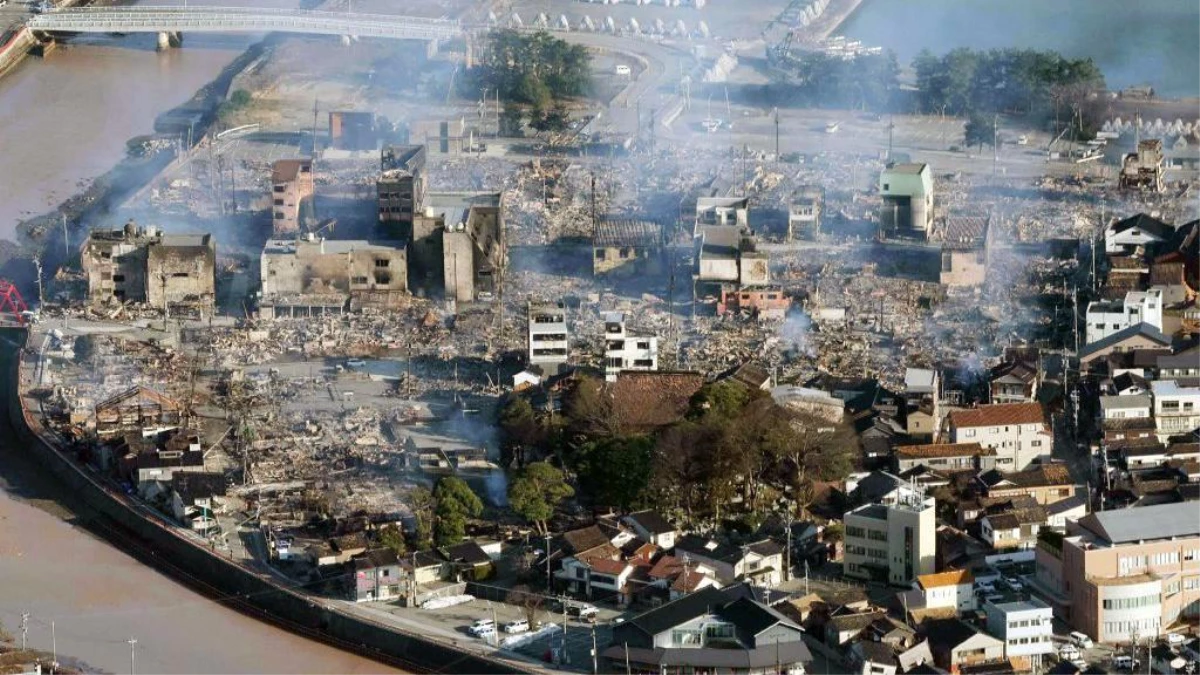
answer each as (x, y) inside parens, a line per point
(146, 536)
(180, 273)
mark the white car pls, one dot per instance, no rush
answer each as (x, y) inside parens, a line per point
(1080, 639)
(482, 628)
(1125, 662)
(518, 626)
(1069, 652)
(356, 363)
(1176, 638)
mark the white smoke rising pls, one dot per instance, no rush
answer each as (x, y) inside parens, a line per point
(794, 333)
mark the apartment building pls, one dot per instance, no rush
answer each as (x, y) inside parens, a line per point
(1176, 409)
(1126, 573)
(1025, 627)
(1016, 431)
(625, 349)
(1109, 317)
(549, 342)
(291, 184)
(893, 540)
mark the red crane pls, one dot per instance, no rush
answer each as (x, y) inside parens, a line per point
(12, 306)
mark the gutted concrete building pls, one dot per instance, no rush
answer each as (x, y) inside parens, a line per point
(1143, 170)
(804, 211)
(291, 185)
(549, 341)
(907, 192)
(142, 264)
(352, 130)
(457, 248)
(313, 276)
(627, 247)
(713, 211)
(401, 189)
(965, 251)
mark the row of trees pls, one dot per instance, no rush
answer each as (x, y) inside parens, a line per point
(1039, 85)
(732, 443)
(441, 516)
(869, 82)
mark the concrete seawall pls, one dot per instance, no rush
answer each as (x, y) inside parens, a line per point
(134, 529)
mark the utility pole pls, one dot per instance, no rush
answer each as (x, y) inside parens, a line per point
(776, 133)
(132, 656)
(653, 113)
(37, 263)
(595, 666)
(593, 175)
(66, 238)
(314, 130)
(891, 127)
(24, 628)
(53, 646)
(787, 552)
(549, 585)
(995, 143)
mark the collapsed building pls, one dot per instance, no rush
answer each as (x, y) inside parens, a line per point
(457, 247)
(352, 130)
(1143, 170)
(312, 276)
(400, 188)
(907, 192)
(627, 247)
(171, 272)
(966, 248)
(291, 185)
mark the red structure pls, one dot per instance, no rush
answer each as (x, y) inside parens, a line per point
(12, 306)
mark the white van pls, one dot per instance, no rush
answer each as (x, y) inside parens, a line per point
(1080, 639)
(482, 627)
(623, 69)
(1124, 662)
(517, 626)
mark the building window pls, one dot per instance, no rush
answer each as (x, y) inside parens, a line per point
(278, 202)
(357, 281)
(379, 262)
(279, 215)
(383, 278)
(599, 254)
(118, 278)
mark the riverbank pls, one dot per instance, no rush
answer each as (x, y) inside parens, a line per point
(836, 13)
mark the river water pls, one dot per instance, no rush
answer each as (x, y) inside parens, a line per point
(63, 121)
(1138, 42)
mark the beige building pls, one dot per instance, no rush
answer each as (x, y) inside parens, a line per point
(892, 541)
(313, 276)
(1127, 573)
(965, 251)
(457, 247)
(1016, 431)
(291, 184)
(142, 264)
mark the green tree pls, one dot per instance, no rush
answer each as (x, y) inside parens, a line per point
(391, 537)
(531, 68)
(979, 129)
(456, 502)
(420, 501)
(616, 471)
(537, 490)
(240, 98)
(510, 121)
(518, 423)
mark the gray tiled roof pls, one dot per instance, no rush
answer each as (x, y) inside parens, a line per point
(1147, 523)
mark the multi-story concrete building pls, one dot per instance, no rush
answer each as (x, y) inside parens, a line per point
(966, 248)
(1126, 573)
(1143, 170)
(625, 349)
(1176, 409)
(1016, 431)
(907, 191)
(1109, 317)
(549, 341)
(401, 188)
(1025, 626)
(311, 276)
(457, 248)
(291, 185)
(804, 211)
(175, 272)
(722, 211)
(892, 541)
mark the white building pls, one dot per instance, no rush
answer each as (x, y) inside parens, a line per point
(1126, 407)
(894, 540)
(1025, 626)
(1123, 237)
(1176, 409)
(549, 342)
(625, 349)
(1106, 317)
(1016, 431)
(951, 589)
(722, 211)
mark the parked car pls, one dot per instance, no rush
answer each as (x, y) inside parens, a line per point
(482, 628)
(583, 612)
(1176, 638)
(1069, 652)
(1014, 583)
(356, 363)
(1081, 640)
(1124, 662)
(518, 626)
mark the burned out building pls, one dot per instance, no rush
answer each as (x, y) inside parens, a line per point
(722, 211)
(291, 186)
(729, 266)
(313, 276)
(1143, 170)
(549, 338)
(401, 188)
(175, 272)
(804, 211)
(907, 192)
(627, 247)
(352, 130)
(965, 251)
(457, 246)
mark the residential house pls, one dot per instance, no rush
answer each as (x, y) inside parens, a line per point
(944, 457)
(844, 627)
(645, 401)
(1109, 317)
(468, 561)
(907, 204)
(722, 212)
(597, 577)
(1139, 336)
(966, 247)
(752, 376)
(1176, 409)
(804, 211)
(1125, 237)
(873, 658)
(764, 302)
(194, 497)
(1130, 384)
(1063, 511)
(1045, 483)
(159, 457)
(728, 255)
(1025, 627)
(376, 576)
(1012, 529)
(1016, 431)
(681, 576)
(708, 630)
(761, 561)
(1014, 381)
(651, 526)
(627, 247)
(922, 398)
(952, 589)
(1173, 366)
(626, 349)
(956, 645)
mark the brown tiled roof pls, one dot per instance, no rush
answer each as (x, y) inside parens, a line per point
(606, 566)
(667, 567)
(1044, 474)
(950, 578)
(585, 539)
(1013, 519)
(999, 415)
(648, 400)
(687, 581)
(628, 233)
(943, 450)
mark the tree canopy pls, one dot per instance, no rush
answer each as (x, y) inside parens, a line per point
(534, 69)
(536, 491)
(456, 502)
